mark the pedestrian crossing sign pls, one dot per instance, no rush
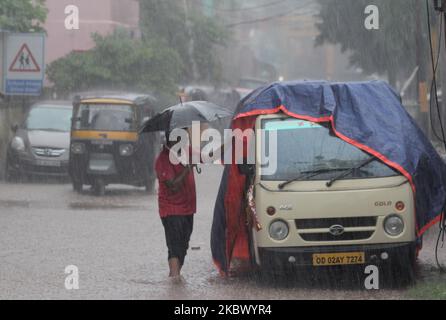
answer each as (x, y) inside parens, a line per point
(24, 61)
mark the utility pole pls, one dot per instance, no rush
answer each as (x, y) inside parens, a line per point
(423, 118)
(191, 42)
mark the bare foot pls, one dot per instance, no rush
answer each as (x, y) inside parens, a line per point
(177, 279)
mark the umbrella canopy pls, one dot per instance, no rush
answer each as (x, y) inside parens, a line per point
(182, 116)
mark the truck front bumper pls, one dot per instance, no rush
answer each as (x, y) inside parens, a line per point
(303, 256)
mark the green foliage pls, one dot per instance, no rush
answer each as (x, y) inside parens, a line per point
(118, 62)
(390, 50)
(157, 62)
(182, 29)
(208, 36)
(22, 15)
(432, 288)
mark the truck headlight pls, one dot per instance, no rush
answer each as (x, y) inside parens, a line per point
(126, 150)
(394, 225)
(18, 144)
(278, 230)
(78, 148)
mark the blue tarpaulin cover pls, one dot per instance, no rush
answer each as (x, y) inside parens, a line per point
(368, 115)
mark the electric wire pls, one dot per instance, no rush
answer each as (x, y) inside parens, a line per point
(434, 85)
(270, 4)
(442, 224)
(269, 18)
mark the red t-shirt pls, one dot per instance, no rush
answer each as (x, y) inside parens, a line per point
(184, 201)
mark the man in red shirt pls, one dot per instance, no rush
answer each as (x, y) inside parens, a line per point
(177, 206)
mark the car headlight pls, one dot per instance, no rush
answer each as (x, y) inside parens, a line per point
(126, 150)
(394, 225)
(78, 148)
(18, 144)
(278, 230)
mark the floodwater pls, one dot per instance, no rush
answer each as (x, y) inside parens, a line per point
(117, 243)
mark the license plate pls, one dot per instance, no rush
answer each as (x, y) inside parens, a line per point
(45, 163)
(338, 259)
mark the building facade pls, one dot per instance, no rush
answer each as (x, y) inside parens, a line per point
(101, 17)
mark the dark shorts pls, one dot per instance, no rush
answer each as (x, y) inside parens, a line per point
(178, 230)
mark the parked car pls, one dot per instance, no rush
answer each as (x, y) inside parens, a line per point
(40, 145)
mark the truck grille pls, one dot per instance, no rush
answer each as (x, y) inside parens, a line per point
(318, 230)
(347, 236)
(328, 222)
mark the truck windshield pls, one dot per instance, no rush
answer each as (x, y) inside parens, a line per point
(304, 146)
(105, 117)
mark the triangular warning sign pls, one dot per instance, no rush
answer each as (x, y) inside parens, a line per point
(24, 61)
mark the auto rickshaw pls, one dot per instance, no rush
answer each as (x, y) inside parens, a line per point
(106, 147)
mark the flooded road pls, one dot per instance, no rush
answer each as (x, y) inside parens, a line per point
(117, 242)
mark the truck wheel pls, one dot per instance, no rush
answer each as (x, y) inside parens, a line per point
(262, 273)
(99, 187)
(252, 254)
(408, 268)
(402, 270)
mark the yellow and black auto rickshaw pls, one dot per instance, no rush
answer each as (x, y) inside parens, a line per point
(106, 146)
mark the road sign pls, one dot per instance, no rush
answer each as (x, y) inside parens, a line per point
(23, 63)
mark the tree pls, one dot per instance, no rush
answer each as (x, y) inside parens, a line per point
(192, 35)
(118, 62)
(22, 15)
(390, 50)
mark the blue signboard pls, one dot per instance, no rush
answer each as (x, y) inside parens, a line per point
(23, 87)
(23, 64)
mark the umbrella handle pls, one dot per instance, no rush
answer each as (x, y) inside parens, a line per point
(198, 169)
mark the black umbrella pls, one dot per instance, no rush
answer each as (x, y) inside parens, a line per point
(182, 115)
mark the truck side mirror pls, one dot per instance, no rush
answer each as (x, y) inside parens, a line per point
(14, 127)
(246, 169)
